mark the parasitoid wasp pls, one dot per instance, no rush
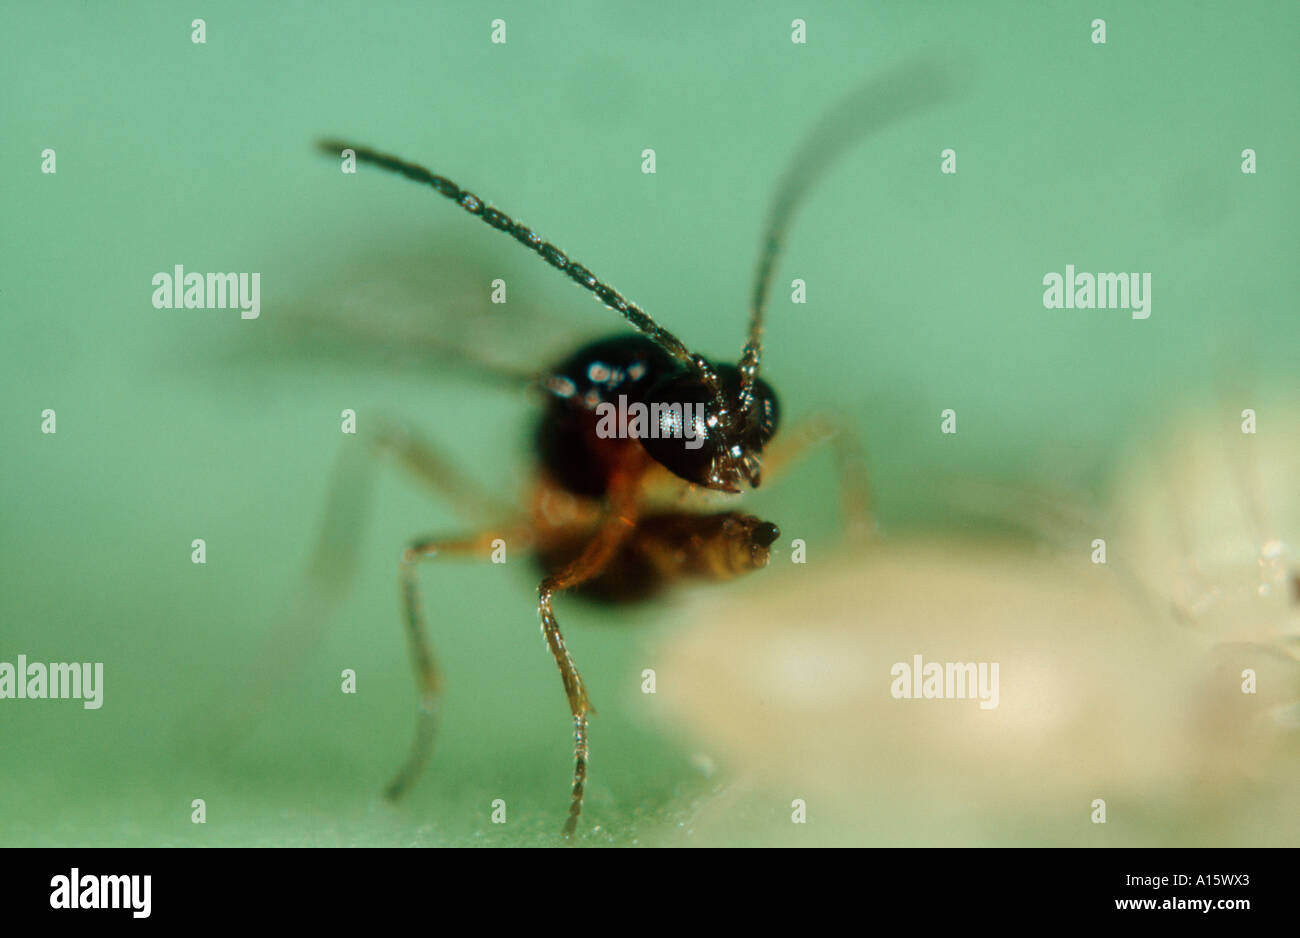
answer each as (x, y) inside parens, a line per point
(592, 524)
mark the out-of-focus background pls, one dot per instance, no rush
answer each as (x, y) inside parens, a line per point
(923, 293)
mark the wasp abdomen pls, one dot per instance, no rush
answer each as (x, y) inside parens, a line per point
(668, 547)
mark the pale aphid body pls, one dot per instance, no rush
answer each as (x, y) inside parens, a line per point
(1123, 684)
(1208, 518)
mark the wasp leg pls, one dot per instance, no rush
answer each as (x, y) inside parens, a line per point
(619, 522)
(234, 706)
(462, 493)
(850, 460)
(428, 684)
(333, 560)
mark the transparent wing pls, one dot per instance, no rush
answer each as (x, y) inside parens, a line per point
(425, 309)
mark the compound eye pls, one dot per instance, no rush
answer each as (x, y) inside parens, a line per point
(678, 411)
(765, 415)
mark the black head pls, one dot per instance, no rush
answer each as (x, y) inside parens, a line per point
(701, 442)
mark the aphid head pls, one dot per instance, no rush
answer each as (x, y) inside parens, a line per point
(714, 444)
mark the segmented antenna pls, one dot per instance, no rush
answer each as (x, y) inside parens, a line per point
(869, 107)
(549, 252)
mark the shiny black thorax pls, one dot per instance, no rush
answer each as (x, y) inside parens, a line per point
(599, 372)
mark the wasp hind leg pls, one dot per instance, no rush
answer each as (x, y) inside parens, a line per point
(428, 682)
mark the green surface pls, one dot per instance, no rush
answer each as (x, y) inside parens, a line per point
(924, 293)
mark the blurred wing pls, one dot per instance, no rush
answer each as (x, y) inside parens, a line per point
(425, 310)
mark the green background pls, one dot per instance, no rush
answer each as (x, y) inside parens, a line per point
(924, 293)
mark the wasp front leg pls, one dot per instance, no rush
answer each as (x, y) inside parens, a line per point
(618, 524)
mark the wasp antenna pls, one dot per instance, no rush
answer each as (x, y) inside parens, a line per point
(549, 252)
(906, 89)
